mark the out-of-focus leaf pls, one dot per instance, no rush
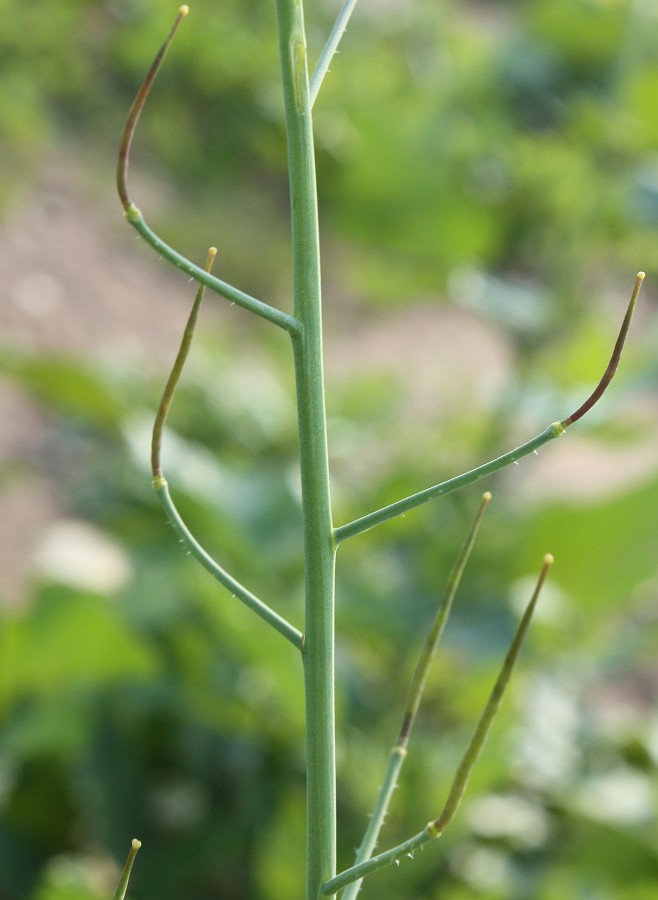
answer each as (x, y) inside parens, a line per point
(84, 631)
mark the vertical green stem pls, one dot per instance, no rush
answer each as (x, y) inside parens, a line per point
(319, 545)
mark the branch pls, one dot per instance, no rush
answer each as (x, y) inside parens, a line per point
(446, 487)
(177, 371)
(122, 886)
(237, 590)
(490, 711)
(453, 484)
(162, 489)
(399, 751)
(436, 828)
(436, 632)
(135, 218)
(394, 855)
(235, 295)
(330, 48)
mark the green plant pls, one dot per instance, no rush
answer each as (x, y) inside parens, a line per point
(321, 538)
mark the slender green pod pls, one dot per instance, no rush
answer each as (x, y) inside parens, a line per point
(122, 886)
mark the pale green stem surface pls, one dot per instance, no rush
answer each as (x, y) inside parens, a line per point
(330, 48)
(398, 752)
(406, 848)
(436, 828)
(122, 886)
(319, 548)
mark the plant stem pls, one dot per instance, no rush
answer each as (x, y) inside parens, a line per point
(436, 631)
(436, 828)
(490, 711)
(134, 215)
(238, 590)
(176, 372)
(330, 48)
(162, 489)
(611, 368)
(398, 752)
(446, 487)
(122, 886)
(555, 430)
(223, 288)
(136, 110)
(319, 547)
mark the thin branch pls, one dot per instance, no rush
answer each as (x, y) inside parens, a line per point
(394, 855)
(135, 218)
(136, 110)
(176, 371)
(162, 489)
(436, 632)
(445, 487)
(555, 430)
(330, 48)
(436, 828)
(399, 750)
(485, 722)
(238, 590)
(122, 886)
(235, 295)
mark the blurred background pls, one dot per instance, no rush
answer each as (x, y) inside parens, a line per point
(488, 177)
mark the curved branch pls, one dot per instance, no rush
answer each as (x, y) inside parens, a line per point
(490, 711)
(136, 110)
(555, 430)
(176, 372)
(398, 752)
(436, 631)
(220, 574)
(358, 526)
(135, 218)
(162, 489)
(436, 828)
(609, 373)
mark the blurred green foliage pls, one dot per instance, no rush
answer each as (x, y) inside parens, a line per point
(504, 155)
